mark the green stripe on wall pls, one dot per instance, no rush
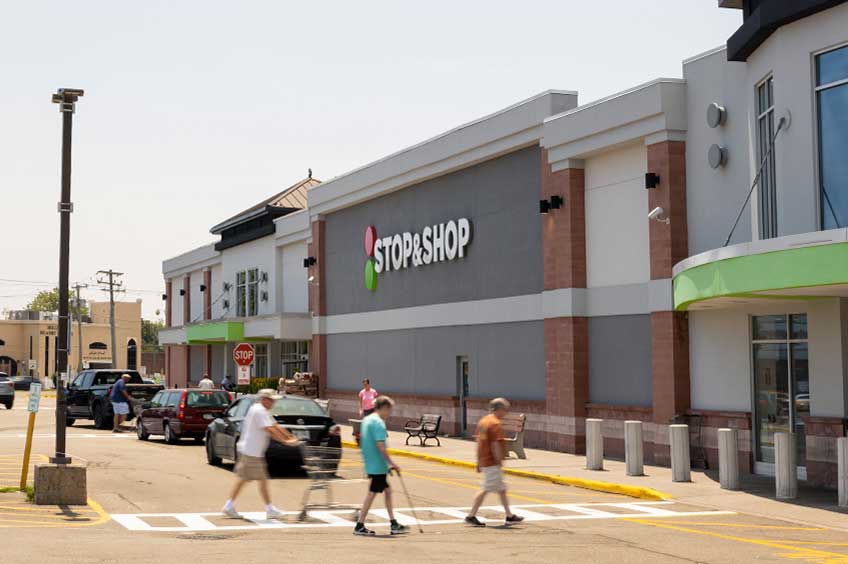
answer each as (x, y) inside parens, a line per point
(821, 265)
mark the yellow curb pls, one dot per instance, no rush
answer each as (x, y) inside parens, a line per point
(594, 485)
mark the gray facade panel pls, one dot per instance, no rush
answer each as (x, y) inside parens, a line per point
(504, 258)
(620, 360)
(506, 359)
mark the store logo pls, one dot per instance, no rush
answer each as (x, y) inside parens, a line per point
(437, 243)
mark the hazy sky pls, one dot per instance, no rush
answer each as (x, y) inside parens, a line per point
(195, 110)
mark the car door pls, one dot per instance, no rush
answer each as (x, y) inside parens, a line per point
(232, 427)
(75, 398)
(152, 417)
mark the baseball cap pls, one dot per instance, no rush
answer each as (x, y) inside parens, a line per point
(268, 393)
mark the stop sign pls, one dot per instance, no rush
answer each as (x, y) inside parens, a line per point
(243, 354)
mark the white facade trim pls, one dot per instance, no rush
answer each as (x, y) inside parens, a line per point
(292, 228)
(172, 336)
(763, 246)
(283, 326)
(195, 259)
(507, 130)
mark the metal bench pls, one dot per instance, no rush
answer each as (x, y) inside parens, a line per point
(513, 430)
(427, 427)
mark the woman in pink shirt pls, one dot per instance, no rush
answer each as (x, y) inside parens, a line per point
(367, 395)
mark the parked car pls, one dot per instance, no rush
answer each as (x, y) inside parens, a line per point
(23, 382)
(303, 417)
(88, 395)
(181, 413)
(7, 391)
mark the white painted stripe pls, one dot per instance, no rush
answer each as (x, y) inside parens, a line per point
(125, 435)
(336, 518)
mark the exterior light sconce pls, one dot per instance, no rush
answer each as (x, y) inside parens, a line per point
(556, 202)
(182, 292)
(263, 296)
(164, 297)
(652, 179)
(656, 215)
(263, 277)
(544, 206)
(227, 286)
(226, 304)
(309, 261)
(311, 279)
(203, 287)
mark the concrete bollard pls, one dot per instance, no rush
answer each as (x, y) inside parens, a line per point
(728, 459)
(785, 466)
(633, 451)
(842, 470)
(594, 444)
(681, 467)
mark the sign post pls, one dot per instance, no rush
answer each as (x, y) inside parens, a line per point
(243, 355)
(32, 407)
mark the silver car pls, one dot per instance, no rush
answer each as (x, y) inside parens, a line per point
(7, 391)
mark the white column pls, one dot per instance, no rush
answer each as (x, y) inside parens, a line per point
(842, 471)
(785, 466)
(594, 444)
(633, 451)
(728, 459)
(681, 467)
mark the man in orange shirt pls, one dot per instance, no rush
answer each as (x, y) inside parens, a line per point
(491, 451)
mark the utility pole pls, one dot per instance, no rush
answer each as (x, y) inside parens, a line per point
(111, 282)
(77, 287)
(66, 98)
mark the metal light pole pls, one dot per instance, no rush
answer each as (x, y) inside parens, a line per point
(66, 98)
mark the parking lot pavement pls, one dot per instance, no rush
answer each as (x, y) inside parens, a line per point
(164, 499)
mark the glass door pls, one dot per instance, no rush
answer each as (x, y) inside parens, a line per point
(781, 384)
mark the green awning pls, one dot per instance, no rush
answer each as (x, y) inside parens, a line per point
(770, 275)
(211, 333)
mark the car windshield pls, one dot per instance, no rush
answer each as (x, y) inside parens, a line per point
(288, 406)
(208, 399)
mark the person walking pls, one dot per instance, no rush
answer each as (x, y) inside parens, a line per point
(367, 396)
(206, 383)
(257, 431)
(378, 463)
(491, 450)
(120, 399)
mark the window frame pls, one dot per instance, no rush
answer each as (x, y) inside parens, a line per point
(817, 144)
(767, 226)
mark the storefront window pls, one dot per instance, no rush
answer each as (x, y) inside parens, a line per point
(832, 99)
(294, 357)
(247, 292)
(781, 382)
(241, 293)
(260, 369)
(765, 136)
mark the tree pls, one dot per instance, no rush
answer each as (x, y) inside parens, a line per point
(150, 335)
(48, 300)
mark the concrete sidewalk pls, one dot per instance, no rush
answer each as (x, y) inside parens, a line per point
(813, 507)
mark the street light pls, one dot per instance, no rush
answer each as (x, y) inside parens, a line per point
(66, 98)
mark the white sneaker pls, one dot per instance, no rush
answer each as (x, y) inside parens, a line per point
(273, 513)
(231, 513)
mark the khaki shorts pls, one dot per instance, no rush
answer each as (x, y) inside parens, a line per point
(251, 468)
(492, 479)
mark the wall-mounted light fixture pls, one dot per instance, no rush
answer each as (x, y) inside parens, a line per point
(182, 292)
(226, 286)
(226, 304)
(717, 156)
(656, 215)
(263, 296)
(309, 261)
(556, 202)
(203, 287)
(544, 206)
(652, 179)
(164, 297)
(263, 276)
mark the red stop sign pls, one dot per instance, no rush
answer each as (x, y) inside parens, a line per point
(243, 354)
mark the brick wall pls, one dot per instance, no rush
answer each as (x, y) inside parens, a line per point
(821, 435)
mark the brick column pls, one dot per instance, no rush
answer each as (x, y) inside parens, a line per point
(669, 329)
(317, 304)
(187, 299)
(566, 338)
(168, 301)
(207, 295)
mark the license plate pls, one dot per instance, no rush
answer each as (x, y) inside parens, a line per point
(301, 434)
(208, 416)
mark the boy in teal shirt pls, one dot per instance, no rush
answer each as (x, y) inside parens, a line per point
(378, 464)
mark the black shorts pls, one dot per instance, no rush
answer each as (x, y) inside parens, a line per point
(367, 412)
(378, 483)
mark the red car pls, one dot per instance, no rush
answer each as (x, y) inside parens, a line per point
(181, 413)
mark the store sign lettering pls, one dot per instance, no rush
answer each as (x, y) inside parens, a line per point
(437, 243)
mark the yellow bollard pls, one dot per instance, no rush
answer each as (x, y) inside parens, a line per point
(27, 449)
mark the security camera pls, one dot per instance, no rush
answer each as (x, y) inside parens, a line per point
(656, 213)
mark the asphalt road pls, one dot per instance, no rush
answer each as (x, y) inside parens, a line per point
(158, 502)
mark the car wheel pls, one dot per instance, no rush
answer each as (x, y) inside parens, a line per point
(9, 405)
(211, 458)
(69, 421)
(142, 433)
(170, 437)
(101, 420)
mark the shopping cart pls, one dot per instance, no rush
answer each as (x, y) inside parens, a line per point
(321, 464)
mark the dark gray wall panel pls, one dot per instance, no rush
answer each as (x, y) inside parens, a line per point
(504, 257)
(506, 359)
(620, 360)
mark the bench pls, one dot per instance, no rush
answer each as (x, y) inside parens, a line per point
(513, 430)
(427, 427)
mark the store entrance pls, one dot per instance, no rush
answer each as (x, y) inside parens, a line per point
(462, 372)
(781, 386)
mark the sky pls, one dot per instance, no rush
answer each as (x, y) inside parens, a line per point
(195, 110)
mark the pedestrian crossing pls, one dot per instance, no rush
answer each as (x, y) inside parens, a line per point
(427, 516)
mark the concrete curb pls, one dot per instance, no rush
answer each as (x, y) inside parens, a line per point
(594, 485)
